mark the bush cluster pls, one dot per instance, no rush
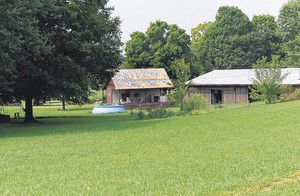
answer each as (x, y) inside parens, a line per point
(290, 97)
(196, 104)
(151, 113)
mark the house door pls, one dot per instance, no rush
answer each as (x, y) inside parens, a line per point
(216, 96)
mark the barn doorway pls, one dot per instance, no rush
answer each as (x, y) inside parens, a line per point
(216, 96)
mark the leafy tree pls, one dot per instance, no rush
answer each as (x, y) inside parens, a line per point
(289, 20)
(198, 33)
(7, 68)
(268, 34)
(196, 42)
(267, 82)
(160, 47)
(63, 47)
(182, 70)
(289, 23)
(28, 49)
(137, 51)
(292, 49)
(230, 42)
(8, 50)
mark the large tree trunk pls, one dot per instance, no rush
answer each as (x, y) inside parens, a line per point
(29, 110)
(63, 103)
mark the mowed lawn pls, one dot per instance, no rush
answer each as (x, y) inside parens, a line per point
(249, 150)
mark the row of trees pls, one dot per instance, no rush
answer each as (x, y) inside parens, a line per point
(56, 49)
(232, 41)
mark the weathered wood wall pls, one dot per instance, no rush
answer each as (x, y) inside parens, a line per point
(230, 95)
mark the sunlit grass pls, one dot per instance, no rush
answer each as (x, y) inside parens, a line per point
(225, 151)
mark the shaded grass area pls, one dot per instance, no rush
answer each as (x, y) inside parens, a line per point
(52, 111)
(223, 152)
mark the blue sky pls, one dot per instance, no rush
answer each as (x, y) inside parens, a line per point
(136, 15)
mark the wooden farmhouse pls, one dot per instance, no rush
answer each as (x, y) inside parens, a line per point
(232, 86)
(137, 86)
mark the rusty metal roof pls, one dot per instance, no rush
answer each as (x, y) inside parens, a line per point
(142, 79)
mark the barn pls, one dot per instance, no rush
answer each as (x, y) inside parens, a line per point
(232, 86)
(136, 86)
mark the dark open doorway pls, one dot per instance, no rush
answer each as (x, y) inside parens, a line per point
(216, 96)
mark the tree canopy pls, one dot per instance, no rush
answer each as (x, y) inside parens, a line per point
(268, 34)
(58, 47)
(292, 53)
(230, 42)
(289, 23)
(160, 46)
(289, 19)
(196, 43)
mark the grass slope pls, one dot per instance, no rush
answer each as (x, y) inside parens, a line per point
(226, 152)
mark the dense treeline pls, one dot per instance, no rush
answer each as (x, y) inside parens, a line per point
(232, 41)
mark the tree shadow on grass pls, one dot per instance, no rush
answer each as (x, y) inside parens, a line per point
(72, 125)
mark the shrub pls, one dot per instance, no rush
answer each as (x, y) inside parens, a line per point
(195, 102)
(297, 93)
(290, 97)
(149, 110)
(151, 113)
(141, 114)
(268, 77)
(158, 113)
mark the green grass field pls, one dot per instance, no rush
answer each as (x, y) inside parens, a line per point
(250, 150)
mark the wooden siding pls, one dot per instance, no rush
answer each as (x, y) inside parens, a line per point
(242, 95)
(207, 94)
(230, 95)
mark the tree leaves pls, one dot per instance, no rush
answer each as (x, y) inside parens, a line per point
(228, 43)
(160, 46)
(289, 20)
(58, 47)
(267, 84)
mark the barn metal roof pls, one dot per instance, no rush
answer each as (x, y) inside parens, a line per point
(240, 77)
(142, 79)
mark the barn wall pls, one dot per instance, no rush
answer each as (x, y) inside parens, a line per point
(242, 95)
(230, 95)
(206, 93)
